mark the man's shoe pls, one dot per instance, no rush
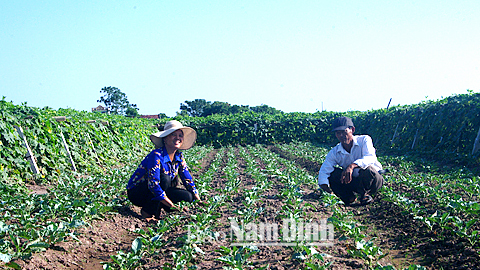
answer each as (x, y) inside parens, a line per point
(366, 199)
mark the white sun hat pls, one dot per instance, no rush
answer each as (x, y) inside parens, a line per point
(189, 134)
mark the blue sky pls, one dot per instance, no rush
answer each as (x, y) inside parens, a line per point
(296, 56)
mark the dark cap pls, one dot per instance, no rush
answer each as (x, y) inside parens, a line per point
(341, 123)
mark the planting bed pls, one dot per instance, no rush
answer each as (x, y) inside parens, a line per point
(266, 184)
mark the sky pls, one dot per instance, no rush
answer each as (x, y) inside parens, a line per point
(295, 56)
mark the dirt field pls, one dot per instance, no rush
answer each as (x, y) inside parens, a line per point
(396, 234)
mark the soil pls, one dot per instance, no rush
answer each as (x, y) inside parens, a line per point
(398, 235)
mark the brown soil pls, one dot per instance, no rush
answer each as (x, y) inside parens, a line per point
(397, 234)
(97, 242)
(401, 236)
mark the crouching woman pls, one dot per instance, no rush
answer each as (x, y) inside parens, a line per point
(153, 185)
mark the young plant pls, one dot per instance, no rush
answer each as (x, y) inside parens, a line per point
(126, 261)
(237, 257)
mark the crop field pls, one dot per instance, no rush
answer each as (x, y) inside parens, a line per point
(258, 175)
(425, 217)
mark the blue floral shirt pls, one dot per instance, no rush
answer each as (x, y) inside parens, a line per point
(157, 162)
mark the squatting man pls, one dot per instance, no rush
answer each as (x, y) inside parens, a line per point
(351, 167)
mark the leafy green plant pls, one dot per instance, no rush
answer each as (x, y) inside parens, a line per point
(368, 251)
(126, 261)
(313, 259)
(237, 257)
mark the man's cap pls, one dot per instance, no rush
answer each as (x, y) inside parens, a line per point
(341, 123)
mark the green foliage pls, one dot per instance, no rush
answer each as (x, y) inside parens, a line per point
(237, 257)
(250, 128)
(217, 107)
(131, 112)
(203, 108)
(265, 109)
(33, 223)
(94, 140)
(116, 102)
(126, 261)
(194, 108)
(444, 129)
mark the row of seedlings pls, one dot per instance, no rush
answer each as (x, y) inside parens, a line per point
(343, 220)
(152, 243)
(436, 200)
(32, 223)
(301, 233)
(236, 254)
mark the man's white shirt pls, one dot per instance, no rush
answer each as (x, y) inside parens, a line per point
(362, 154)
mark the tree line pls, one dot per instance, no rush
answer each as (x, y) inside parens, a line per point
(203, 108)
(116, 102)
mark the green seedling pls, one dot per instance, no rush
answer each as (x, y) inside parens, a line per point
(367, 251)
(126, 261)
(237, 257)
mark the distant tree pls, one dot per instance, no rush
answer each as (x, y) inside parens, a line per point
(183, 113)
(195, 108)
(202, 108)
(217, 107)
(131, 111)
(239, 109)
(162, 116)
(116, 101)
(265, 109)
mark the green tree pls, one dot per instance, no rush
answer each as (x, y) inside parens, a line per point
(131, 111)
(182, 113)
(239, 109)
(265, 109)
(217, 107)
(116, 102)
(162, 116)
(203, 108)
(195, 108)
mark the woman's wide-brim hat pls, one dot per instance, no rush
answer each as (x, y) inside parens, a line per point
(189, 134)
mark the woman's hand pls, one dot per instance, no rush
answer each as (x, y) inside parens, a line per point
(202, 203)
(199, 201)
(178, 208)
(167, 202)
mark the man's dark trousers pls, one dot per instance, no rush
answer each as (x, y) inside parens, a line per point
(369, 181)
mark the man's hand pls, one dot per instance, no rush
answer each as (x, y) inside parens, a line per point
(326, 188)
(347, 174)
